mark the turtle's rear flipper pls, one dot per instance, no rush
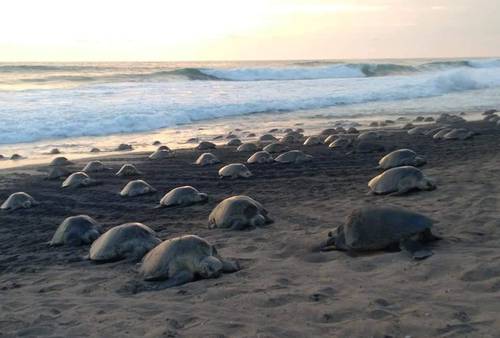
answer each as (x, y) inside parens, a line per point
(415, 249)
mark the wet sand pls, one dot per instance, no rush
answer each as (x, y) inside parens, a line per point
(285, 289)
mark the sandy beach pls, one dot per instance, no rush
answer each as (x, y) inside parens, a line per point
(285, 288)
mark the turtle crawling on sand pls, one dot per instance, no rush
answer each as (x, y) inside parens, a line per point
(16, 157)
(238, 213)
(161, 154)
(127, 241)
(76, 230)
(458, 134)
(19, 200)
(57, 172)
(207, 159)
(400, 180)
(124, 147)
(248, 147)
(381, 228)
(276, 147)
(260, 157)
(235, 170)
(401, 157)
(54, 151)
(136, 188)
(235, 142)
(78, 179)
(94, 167)
(293, 156)
(60, 161)
(182, 260)
(313, 141)
(267, 138)
(183, 196)
(128, 170)
(205, 145)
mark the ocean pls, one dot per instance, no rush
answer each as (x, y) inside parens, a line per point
(56, 102)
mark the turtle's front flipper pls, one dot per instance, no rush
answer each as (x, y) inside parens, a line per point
(229, 266)
(134, 286)
(415, 249)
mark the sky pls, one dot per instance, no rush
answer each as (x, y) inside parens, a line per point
(191, 30)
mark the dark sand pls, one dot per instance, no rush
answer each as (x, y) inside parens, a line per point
(284, 289)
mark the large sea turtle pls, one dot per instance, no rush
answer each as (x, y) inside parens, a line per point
(237, 213)
(313, 141)
(136, 188)
(94, 167)
(207, 159)
(400, 180)
(401, 157)
(205, 145)
(235, 170)
(60, 161)
(275, 147)
(78, 179)
(182, 260)
(127, 241)
(183, 196)
(260, 157)
(19, 200)
(161, 154)
(76, 230)
(381, 228)
(293, 156)
(57, 172)
(128, 170)
(248, 147)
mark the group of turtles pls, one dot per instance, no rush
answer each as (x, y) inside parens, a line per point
(186, 258)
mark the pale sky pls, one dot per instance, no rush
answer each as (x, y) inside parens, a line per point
(166, 30)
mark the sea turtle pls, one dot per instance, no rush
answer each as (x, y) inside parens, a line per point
(19, 200)
(374, 124)
(267, 138)
(293, 156)
(94, 166)
(312, 141)
(273, 130)
(449, 119)
(330, 139)
(193, 140)
(261, 157)
(128, 170)
(57, 172)
(156, 143)
(419, 119)
(340, 143)
(429, 119)
(60, 161)
(408, 126)
(76, 230)
(235, 170)
(207, 159)
(161, 154)
(95, 150)
(181, 260)
(440, 134)
(490, 112)
(352, 130)
(136, 188)
(368, 136)
(163, 147)
(382, 228)
(275, 147)
(183, 196)
(400, 180)
(401, 157)
(328, 132)
(205, 146)
(248, 147)
(218, 137)
(458, 134)
(417, 131)
(54, 151)
(235, 142)
(292, 137)
(127, 241)
(251, 135)
(231, 136)
(16, 157)
(238, 213)
(78, 179)
(2, 157)
(124, 147)
(369, 146)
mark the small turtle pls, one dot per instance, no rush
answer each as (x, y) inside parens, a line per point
(207, 159)
(129, 241)
(94, 167)
(238, 213)
(76, 230)
(60, 161)
(440, 134)
(161, 154)
(16, 157)
(54, 151)
(136, 188)
(183, 260)
(261, 157)
(382, 228)
(124, 147)
(293, 156)
(57, 172)
(19, 200)
(205, 146)
(128, 170)
(268, 138)
(95, 150)
(276, 148)
(235, 170)
(248, 147)
(458, 134)
(401, 157)
(400, 180)
(78, 179)
(183, 196)
(235, 142)
(312, 141)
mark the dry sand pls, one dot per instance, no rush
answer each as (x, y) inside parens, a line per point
(284, 289)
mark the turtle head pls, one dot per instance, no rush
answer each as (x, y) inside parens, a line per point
(202, 197)
(246, 173)
(335, 241)
(419, 161)
(210, 267)
(427, 184)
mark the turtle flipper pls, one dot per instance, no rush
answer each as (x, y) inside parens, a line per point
(415, 248)
(133, 287)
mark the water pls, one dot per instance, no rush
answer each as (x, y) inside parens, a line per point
(72, 104)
